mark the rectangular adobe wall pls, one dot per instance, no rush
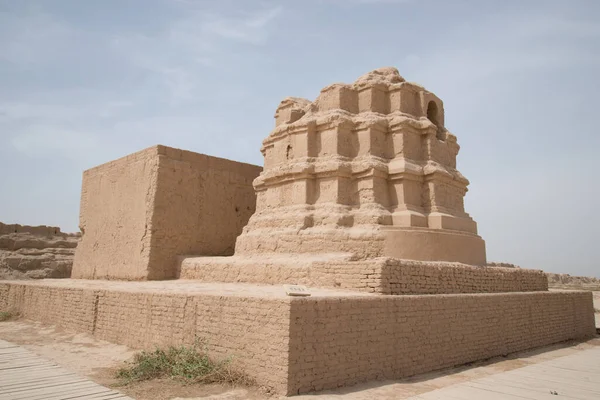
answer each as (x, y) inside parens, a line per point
(254, 330)
(140, 212)
(338, 342)
(297, 345)
(394, 276)
(202, 203)
(380, 275)
(115, 218)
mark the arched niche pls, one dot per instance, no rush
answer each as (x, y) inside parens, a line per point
(433, 115)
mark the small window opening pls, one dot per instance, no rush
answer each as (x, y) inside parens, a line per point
(432, 115)
(289, 153)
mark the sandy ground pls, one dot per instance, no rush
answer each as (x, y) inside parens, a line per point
(98, 360)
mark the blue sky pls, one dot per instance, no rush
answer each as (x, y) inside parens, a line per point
(84, 82)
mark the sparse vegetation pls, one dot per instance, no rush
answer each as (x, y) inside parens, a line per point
(190, 364)
(8, 315)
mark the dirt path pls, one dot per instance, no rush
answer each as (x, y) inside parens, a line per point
(98, 360)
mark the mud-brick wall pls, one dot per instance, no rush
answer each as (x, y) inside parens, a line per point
(414, 277)
(202, 204)
(336, 342)
(140, 212)
(381, 275)
(254, 332)
(70, 308)
(393, 276)
(297, 345)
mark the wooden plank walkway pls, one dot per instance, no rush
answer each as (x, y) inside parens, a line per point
(26, 376)
(573, 377)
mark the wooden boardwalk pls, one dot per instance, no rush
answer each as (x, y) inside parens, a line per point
(26, 376)
(573, 377)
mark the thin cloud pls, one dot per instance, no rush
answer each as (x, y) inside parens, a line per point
(251, 29)
(367, 2)
(44, 140)
(31, 39)
(180, 55)
(380, 1)
(502, 45)
(25, 111)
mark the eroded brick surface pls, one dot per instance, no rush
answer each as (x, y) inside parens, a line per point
(378, 275)
(140, 212)
(301, 344)
(338, 342)
(252, 330)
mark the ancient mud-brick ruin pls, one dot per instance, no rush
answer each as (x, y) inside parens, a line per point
(138, 213)
(359, 199)
(35, 252)
(358, 182)
(362, 170)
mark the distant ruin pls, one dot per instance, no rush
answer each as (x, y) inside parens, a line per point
(35, 252)
(359, 199)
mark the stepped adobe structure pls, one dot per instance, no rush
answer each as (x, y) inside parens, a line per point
(359, 199)
(354, 185)
(367, 168)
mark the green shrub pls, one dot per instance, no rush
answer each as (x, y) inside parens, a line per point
(190, 364)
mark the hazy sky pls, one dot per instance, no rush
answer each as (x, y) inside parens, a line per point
(83, 82)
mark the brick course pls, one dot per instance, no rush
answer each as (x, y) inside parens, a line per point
(252, 330)
(379, 275)
(353, 340)
(296, 345)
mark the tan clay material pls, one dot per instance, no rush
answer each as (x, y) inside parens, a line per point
(41, 230)
(368, 168)
(296, 345)
(35, 252)
(337, 342)
(360, 200)
(378, 275)
(139, 212)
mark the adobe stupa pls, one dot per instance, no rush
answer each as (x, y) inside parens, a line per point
(359, 200)
(367, 168)
(354, 184)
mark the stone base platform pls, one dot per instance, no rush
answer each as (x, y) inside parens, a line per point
(296, 345)
(379, 275)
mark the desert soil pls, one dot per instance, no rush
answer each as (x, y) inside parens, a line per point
(98, 360)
